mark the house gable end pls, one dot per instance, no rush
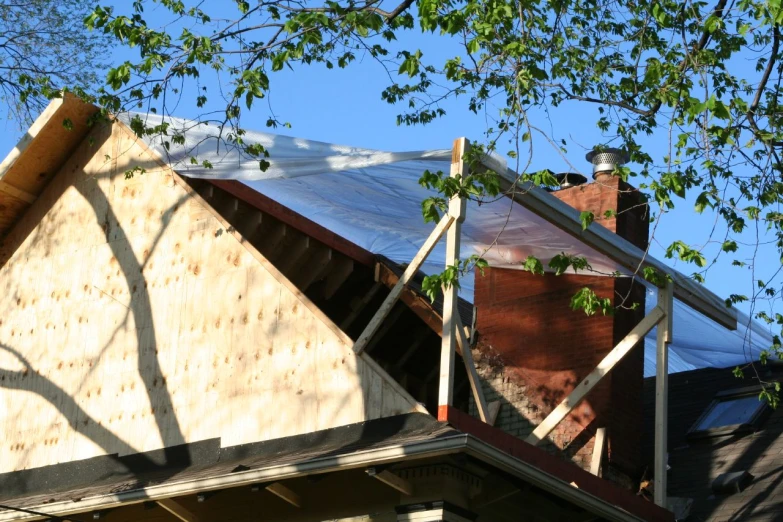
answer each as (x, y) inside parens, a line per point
(134, 318)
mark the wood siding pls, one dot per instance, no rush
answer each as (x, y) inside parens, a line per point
(133, 318)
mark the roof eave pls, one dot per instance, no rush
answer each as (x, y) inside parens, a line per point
(39, 154)
(387, 455)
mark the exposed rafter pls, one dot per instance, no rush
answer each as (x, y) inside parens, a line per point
(391, 480)
(178, 510)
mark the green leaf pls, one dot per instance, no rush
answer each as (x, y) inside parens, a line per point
(588, 301)
(729, 246)
(533, 264)
(586, 218)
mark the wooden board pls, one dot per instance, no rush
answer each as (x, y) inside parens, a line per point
(133, 318)
(30, 165)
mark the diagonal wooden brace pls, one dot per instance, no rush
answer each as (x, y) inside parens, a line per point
(470, 366)
(391, 299)
(588, 383)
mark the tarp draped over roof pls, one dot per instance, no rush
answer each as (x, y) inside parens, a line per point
(373, 198)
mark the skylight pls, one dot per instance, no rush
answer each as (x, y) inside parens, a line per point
(730, 412)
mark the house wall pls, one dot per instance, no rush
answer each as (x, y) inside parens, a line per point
(133, 318)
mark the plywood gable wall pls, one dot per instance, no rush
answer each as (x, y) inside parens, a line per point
(133, 318)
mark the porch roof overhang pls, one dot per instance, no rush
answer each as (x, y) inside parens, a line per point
(535, 467)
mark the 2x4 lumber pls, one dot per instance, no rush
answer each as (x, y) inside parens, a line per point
(250, 223)
(338, 276)
(391, 299)
(470, 366)
(178, 510)
(594, 377)
(17, 193)
(348, 321)
(296, 264)
(285, 493)
(292, 254)
(663, 338)
(598, 451)
(418, 304)
(457, 209)
(295, 220)
(494, 410)
(392, 480)
(473, 319)
(623, 252)
(314, 269)
(274, 240)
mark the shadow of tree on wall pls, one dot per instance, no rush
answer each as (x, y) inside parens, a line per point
(141, 308)
(33, 378)
(30, 380)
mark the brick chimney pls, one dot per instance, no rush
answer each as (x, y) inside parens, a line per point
(533, 349)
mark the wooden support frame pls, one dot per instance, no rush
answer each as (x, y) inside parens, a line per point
(275, 240)
(593, 378)
(598, 451)
(293, 256)
(391, 480)
(285, 493)
(457, 209)
(473, 378)
(391, 299)
(493, 409)
(178, 510)
(314, 269)
(337, 276)
(348, 321)
(664, 338)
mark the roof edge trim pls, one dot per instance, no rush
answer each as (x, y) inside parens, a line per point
(397, 453)
(25, 141)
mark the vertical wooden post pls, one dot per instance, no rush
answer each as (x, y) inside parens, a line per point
(666, 303)
(598, 451)
(449, 341)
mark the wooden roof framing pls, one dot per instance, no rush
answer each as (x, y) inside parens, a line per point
(342, 279)
(338, 275)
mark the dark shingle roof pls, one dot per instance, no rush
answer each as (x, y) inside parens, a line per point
(111, 474)
(695, 464)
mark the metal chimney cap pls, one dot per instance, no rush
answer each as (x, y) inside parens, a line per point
(607, 160)
(570, 179)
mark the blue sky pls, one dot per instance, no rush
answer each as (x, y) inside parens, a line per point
(345, 106)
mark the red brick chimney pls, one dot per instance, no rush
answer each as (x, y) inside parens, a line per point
(533, 349)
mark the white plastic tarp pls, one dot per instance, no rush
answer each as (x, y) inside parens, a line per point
(373, 198)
